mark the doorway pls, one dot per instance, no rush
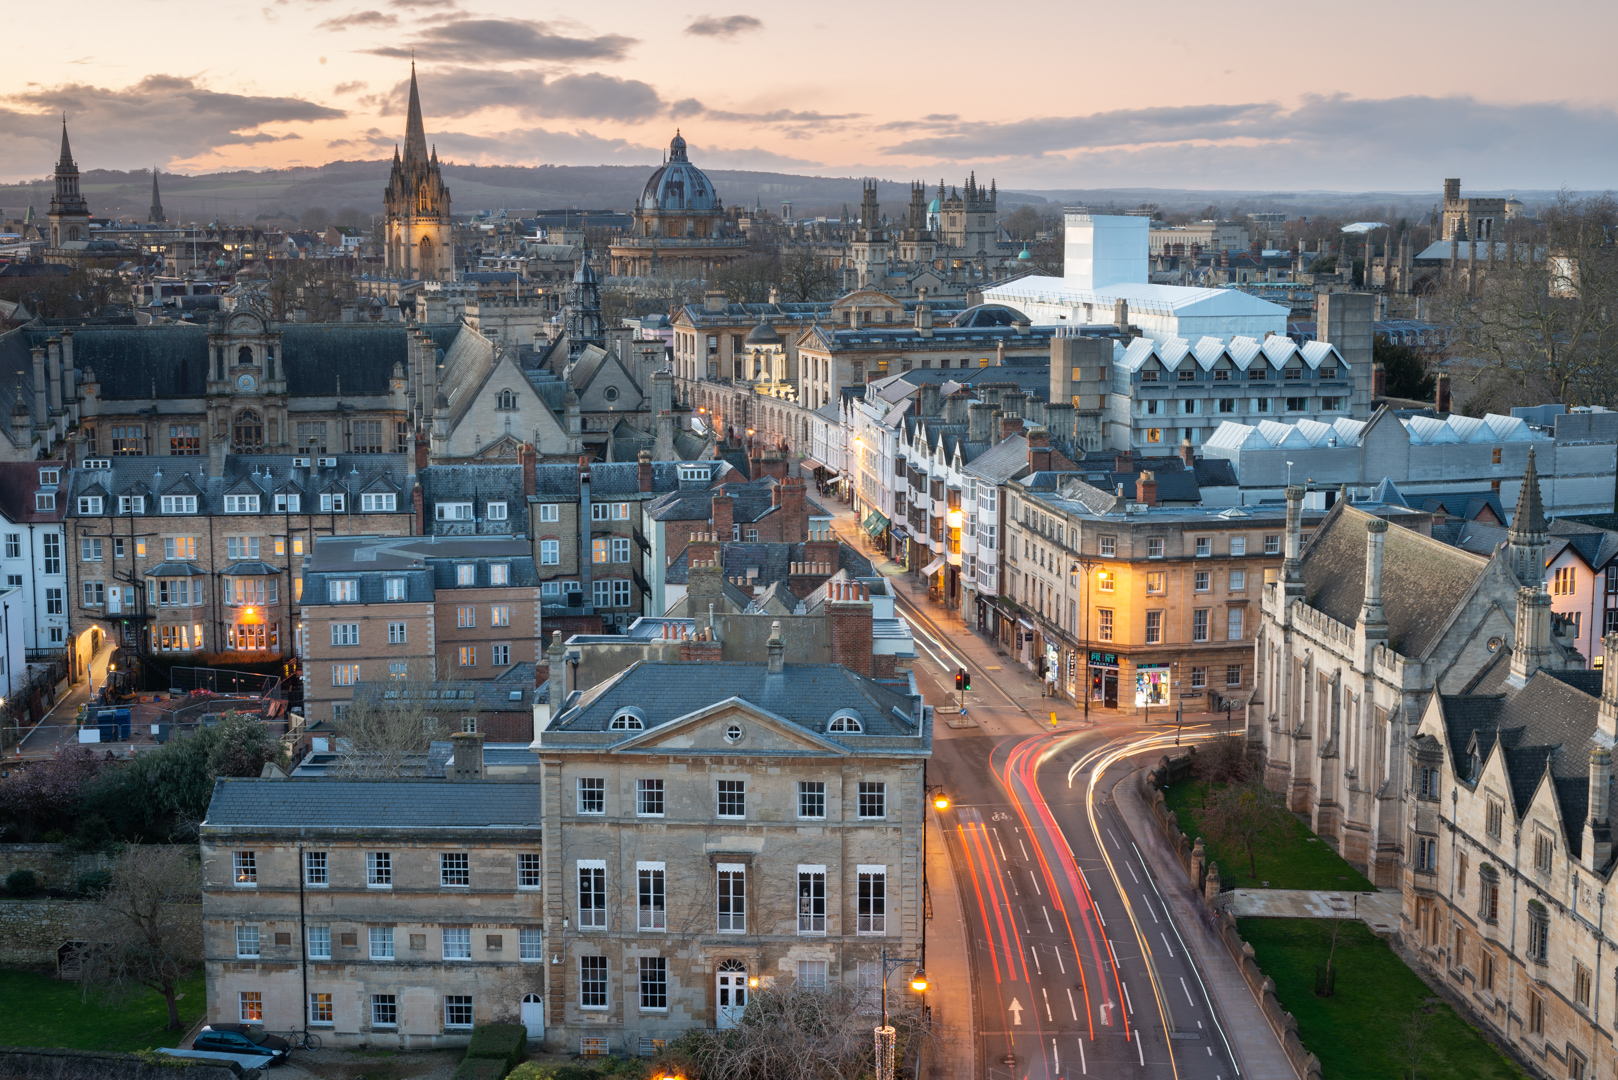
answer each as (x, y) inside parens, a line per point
(533, 1017)
(732, 993)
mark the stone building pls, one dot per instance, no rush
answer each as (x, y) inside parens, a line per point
(416, 609)
(200, 557)
(1364, 625)
(1470, 218)
(713, 823)
(1508, 848)
(679, 228)
(382, 913)
(33, 502)
(416, 222)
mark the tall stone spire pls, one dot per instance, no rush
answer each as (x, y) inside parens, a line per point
(67, 151)
(1529, 536)
(155, 214)
(69, 214)
(415, 148)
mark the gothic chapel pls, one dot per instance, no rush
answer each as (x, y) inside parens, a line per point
(417, 206)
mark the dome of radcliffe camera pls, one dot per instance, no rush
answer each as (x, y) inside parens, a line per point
(678, 185)
(763, 334)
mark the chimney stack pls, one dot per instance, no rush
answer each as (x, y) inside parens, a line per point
(1124, 462)
(1009, 426)
(557, 655)
(1291, 566)
(848, 614)
(1379, 381)
(1146, 488)
(467, 760)
(777, 648)
(1188, 456)
(529, 458)
(643, 470)
(1442, 399)
(1039, 450)
(724, 506)
(1371, 616)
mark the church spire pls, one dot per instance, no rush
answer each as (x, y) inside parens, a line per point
(155, 215)
(67, 151)
(415, 148)
(1529, 536)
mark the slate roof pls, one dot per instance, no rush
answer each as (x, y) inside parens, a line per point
(772, 561)
(19, 480)
(1422, 579)
(1597, 546)
(803, 694)
(618, 479)
(479, 485)
(1002, 462)
(752, 499)
(320, 804)
(482, 695)
(266, 474)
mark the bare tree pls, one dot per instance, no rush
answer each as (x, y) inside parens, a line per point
(389, 727)
(805, 276)
(1413, 1040)
(1220, 761)
(148, 926)
(1245, 816)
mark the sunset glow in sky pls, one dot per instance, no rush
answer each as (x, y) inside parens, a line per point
(1381, 95)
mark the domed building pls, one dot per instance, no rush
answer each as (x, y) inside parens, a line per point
(679, 228)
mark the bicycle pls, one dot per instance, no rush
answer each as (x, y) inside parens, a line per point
(303, 1040)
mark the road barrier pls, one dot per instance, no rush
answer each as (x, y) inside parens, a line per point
(1205, 877)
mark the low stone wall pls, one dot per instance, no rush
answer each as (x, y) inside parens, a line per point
(56, 865)
(1195, 865)
(48, 1063)
(32, 930)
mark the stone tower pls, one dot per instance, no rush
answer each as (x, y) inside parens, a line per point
(417, 206)
(968, 218)
(870, 249)
(155, 216)
(1529, 536)
(69, 214)
(582, 317)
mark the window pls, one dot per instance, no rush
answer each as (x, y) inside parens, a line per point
(393, 588)
(14, 546)
(320, 1009)
(1155, 582)
(1562, 582)
(1233, 623)
(381, 938)
(1238, 580)
(500, 614)
(1199, 624)
(241, 504)
(550, 512)
(457, 1011)
(1272, 544)
(1108, 546)
(1104, 581)
(366, 436)
(246, 866)
(1539, 932)
(1494, 818)
(1544, 848)
(811, 799)
(500, 655)
(600, 550)
(379, 869)
(653, 903)
(499, 573)
(90, 504)
(1199, 678)
(288, 503)
(454, 869)
(1233, 674)
(94, 593)
(1154, 547)
(384, 1010)
(811, 899)
(1428, 782)
(527, 871)
(320, 943)
(592, 982)
(44, 500)
(530, 944)
(332, 502)
(649, 798)
(1154, 627)
(456, 942)
(314, 869)
(1238, 545)
(466, 574)
(1426, 854)
(732, 798)
(620, 549)
(374, 502)
(873, 796)
(1536, 1014)
(598, 511)
(592, 893)
(344, 591)
(873, 900)
(1202, 581)
(592, 795)
(241, 547)
(252, 1005)
(1332, 404)
(467, 656)
(550, 552)
(247, 942)
(53, 600)
(620, 592)
(345, 633)
(1488, 893)
(1581, 985)
(732, 887)
(345, 674)
(1104, 624)
(396, 633)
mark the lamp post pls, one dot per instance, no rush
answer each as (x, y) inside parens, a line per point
(885, 1035)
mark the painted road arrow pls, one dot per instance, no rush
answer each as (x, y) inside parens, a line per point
(1015, 1009)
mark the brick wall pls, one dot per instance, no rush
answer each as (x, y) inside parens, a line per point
(849, 613)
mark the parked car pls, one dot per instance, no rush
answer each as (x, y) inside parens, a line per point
(242, 1039)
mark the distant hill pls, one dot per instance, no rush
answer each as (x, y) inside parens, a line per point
(244, 195)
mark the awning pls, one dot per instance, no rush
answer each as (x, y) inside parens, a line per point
(900, 532)
(876, 524)
(932, 568)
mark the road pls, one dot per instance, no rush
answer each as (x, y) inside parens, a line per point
(1077, 964)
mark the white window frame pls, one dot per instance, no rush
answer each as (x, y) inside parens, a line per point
(873, 923)
(656, 918)
(495, 511)
(592, 917)
(811, 924)
(455, 942)
(376, 502)
(732, 921)
(380, 940)
(241, 504)
(550, 512)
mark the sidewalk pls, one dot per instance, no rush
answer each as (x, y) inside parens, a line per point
(1380, 910)
(1253, 1040)
(59, 726)
(949, 973)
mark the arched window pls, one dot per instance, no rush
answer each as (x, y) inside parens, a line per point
(628, 718)
(426, 251)
(845, 721)
(508, 400)
(247, 431)
(244, 355)
(1539, 932)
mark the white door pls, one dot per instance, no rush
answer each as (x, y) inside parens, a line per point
(533, 1017)
(732, 992)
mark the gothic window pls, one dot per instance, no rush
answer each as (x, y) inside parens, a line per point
(508, 400)
(247, 431)
(244, 355)
(426, 251)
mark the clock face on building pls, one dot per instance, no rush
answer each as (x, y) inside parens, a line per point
(246, 382)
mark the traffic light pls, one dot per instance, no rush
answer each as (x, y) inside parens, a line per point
(960, 679)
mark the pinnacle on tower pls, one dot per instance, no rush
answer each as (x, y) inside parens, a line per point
(1529, 536)
(67, 151)
(415, 131)
(155, 216)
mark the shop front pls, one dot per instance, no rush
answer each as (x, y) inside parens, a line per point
(1104, 679)
(1024, 648)
(1153, 684)
(1051, 666)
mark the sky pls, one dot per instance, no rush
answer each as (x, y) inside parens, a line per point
(1383, 95)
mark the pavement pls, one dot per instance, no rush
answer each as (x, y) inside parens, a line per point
(1254, 1042)
(948, 969)
(1378, 910)
(59, 727)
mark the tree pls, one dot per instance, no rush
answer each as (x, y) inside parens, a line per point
(1405, 368)
(749, 279)
(315, 217)
(1245, 816)
(388, 730)
(806, 277)
(45, 795)
(1546, 317)
(148, 926)
(1220, 761)
(1413, 1040)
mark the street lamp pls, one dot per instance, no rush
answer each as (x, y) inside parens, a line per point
(885, 1035)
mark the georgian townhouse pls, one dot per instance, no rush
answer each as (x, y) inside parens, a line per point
(200, 555)
(1581, 574)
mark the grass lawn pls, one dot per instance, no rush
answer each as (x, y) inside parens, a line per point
(1360, 1031)
(37, 1010)
(1303, 862)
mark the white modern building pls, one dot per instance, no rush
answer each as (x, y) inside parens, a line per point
(33, 555)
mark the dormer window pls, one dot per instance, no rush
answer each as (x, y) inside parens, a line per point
(846, 721)
(241, 504)
(628, 718)
(48, 477)
(90, 504)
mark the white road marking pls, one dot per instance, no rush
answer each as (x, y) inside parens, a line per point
(1074, 1009)
(1131, 1004)
(1083, 1066)
(1113, 951)
(1188, 996)
(1035, 953)
(1210, 1050)
(1037, 890)
(1057, 1054)
(999, 845)
(1131, 870)
(1114, 839)
(1060, 966)
(1023, 846)
(1139, 1051)
(1166, 944)
(1047, 912)
(1049, 1019)
(1150, 909)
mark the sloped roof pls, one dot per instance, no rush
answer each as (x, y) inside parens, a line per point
(371, 804)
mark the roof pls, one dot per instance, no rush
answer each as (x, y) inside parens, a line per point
(153, 476)
(1156, 299)
(371, 804)
(621, 479)
(19, 481)
(1423, 580)
(1002, 462)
